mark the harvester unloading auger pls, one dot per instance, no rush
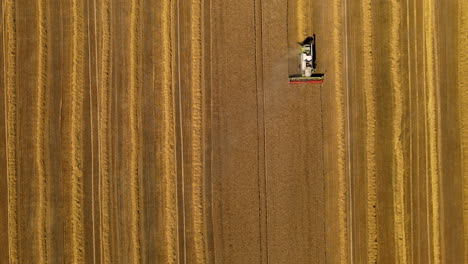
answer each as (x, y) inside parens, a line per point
(307, 64)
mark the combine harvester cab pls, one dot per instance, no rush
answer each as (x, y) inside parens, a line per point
(307, 64)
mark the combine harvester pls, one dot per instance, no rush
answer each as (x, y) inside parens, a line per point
(307, 64)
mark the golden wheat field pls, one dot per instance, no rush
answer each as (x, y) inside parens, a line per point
(165, 131)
